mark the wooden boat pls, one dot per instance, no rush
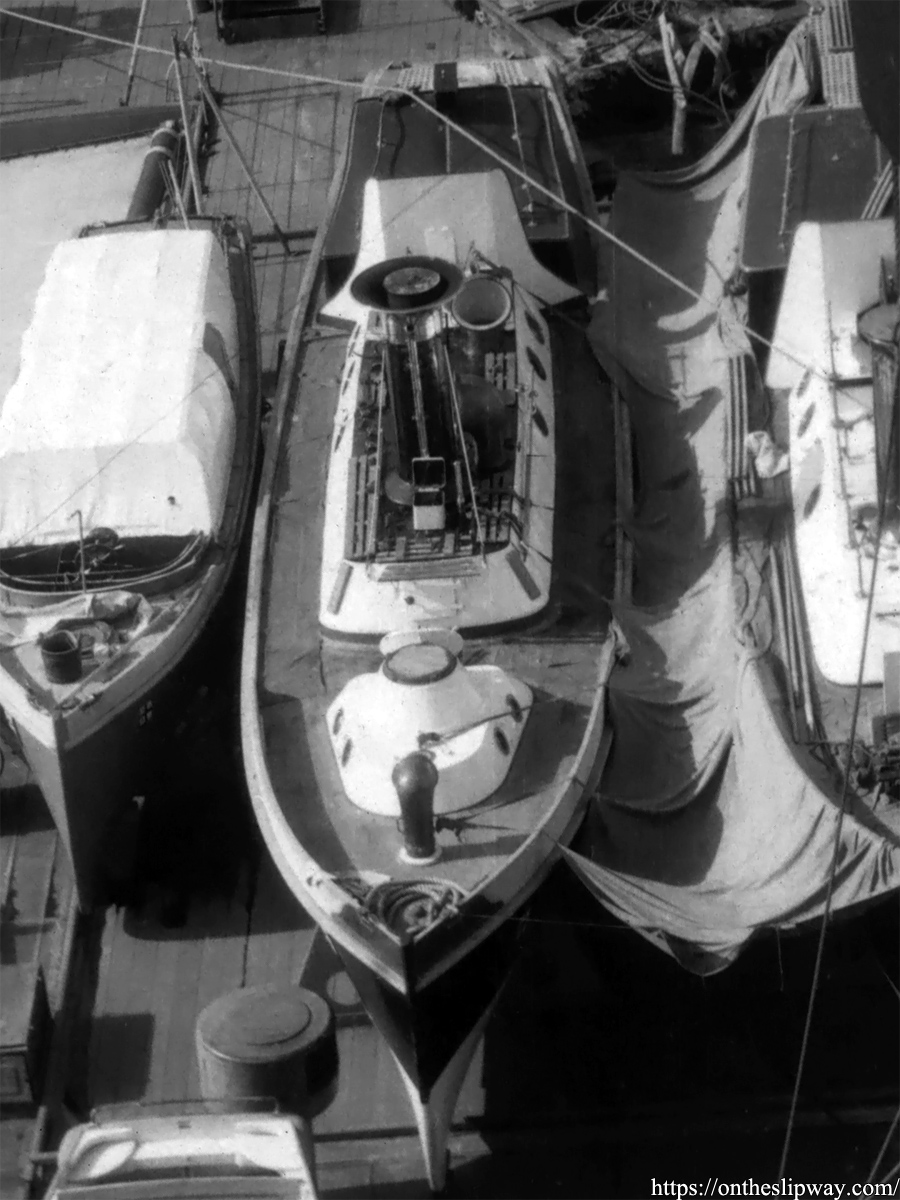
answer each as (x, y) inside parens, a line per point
(426, 641)
(832, 384)
(773, 698)
(128, 446)
(824, 288)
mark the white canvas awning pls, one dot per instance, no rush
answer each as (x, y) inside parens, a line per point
(123, 407)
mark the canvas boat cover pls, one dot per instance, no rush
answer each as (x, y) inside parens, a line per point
(123, 408)
(47, 198)
(726, 828)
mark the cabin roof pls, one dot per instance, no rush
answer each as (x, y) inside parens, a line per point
(822, 164)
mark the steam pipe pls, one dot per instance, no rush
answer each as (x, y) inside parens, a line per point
(153, 182)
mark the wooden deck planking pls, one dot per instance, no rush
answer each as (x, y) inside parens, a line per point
(95, 79)
(160, 980)
(103, 960)
(266, 147)
(212, 953)
(249, 131)
(319, 114)
(222, 970)
(296, 154)
(280, 931)
(278, 263)
(152, 83)
(134, 974)
(225, 948)
(174, 1074)
(54, 936)
(169, 965)
(177, 1056)
(111, 1060)
(353, 1107)
(27, 893)
(399, 24)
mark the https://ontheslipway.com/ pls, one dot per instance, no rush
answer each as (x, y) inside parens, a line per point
(791, 1189)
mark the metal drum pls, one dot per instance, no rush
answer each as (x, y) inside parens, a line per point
(61, 655)
(274, 1042)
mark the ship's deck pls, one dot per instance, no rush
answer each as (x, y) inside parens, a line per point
(604, 1067)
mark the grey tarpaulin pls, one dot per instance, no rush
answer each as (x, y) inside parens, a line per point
(709, 824)
(719, 830)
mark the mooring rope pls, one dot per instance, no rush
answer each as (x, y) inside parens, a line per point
(411, 905)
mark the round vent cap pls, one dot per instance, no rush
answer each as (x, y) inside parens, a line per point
(419, 664)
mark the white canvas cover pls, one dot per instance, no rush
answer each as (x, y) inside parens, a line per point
(123, 407)
(46, 198)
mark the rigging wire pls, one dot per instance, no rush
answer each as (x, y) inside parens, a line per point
(884, 1145)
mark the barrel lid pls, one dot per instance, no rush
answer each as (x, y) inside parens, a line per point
(416, 283)
(419, 663)
(256, 1019)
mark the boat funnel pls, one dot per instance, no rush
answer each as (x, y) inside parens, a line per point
(409, 285)
(153, 183)
(414, 778)
(482, 307)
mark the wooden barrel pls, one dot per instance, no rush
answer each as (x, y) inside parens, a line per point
(273, 1042)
